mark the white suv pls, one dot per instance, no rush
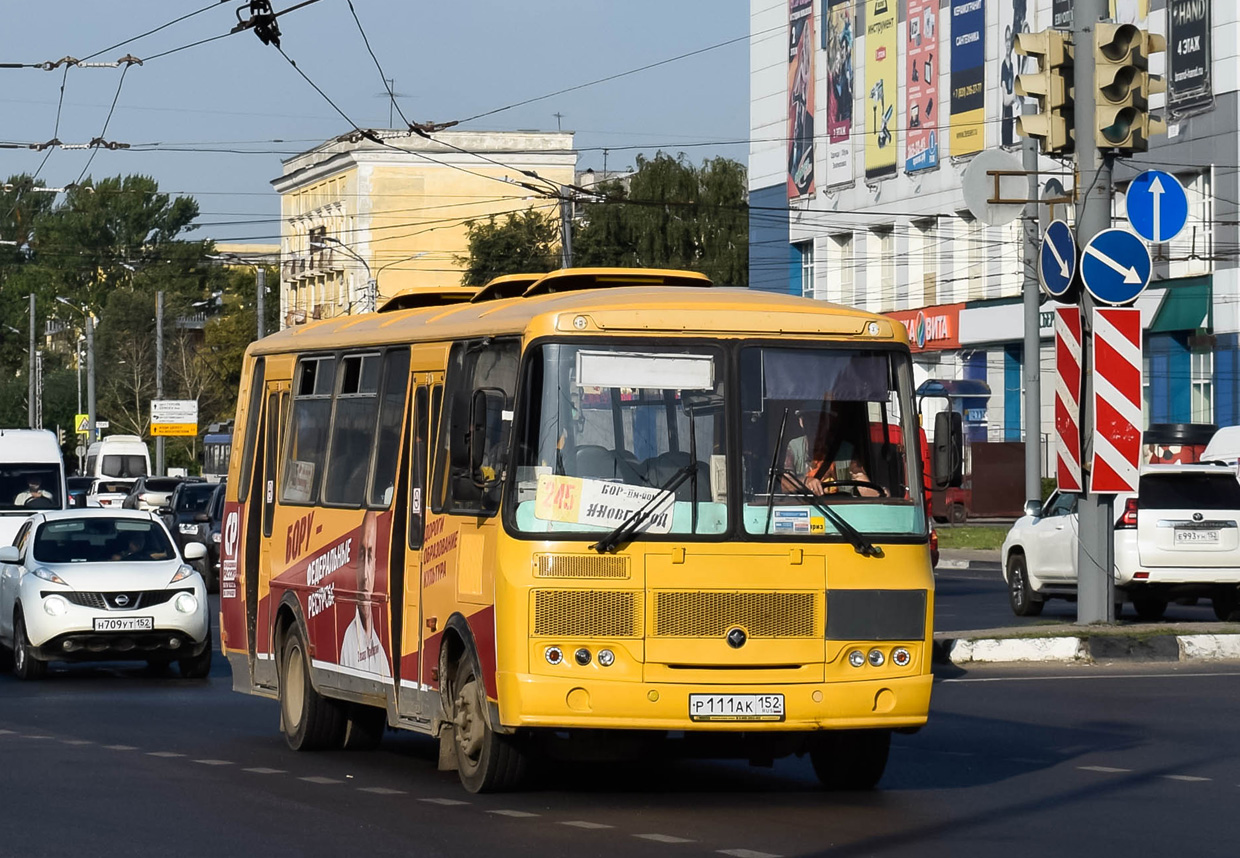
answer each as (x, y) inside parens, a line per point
(1177, 537)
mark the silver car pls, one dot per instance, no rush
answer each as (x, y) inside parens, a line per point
(101, 584)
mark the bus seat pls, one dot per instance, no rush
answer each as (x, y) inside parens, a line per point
(661, 468)
(599, 463)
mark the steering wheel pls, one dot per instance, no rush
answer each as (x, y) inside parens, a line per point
(39, 503)
(882, 490)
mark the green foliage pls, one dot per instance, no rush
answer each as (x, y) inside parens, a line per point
(1048, 487)
(672, 215)
(523, 243)
(981, 537)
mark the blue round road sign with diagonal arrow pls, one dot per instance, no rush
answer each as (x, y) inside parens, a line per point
(1115, 266)
(1057, 260)
(1157, 206)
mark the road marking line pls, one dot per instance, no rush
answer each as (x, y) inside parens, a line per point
(382, 790)
(515, 814)
(1108, 770)
(34, 736)
(1091, 676)
(214, 762)
(262, 771)
(317, 779)
(446, 802)
(747, 853)
(581, 823)
(8, 732)
(121, 747)
(76, 742)
(165, 754)
(663, 838)
(1186, 778)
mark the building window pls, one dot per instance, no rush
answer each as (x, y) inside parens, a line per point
(974, 236)
(928, 235)
(885, 242)
(841, 269)
(1147, 396)
(1203, 387)
(807, 268)
(1192, 250)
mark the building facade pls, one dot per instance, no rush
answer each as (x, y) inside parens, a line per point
(864, 116)
(363, 221)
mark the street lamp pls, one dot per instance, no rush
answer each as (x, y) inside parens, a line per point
(260, 285)
(372, 285)
(90, 366)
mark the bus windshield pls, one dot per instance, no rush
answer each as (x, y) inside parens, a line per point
(29, 487)
(612, 427)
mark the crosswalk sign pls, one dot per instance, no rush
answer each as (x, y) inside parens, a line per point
(79, 423)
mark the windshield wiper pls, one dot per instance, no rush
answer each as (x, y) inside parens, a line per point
(626, 529)
(860, 543)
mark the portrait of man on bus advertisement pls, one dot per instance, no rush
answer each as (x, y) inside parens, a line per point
(827, 426)
(362, 647)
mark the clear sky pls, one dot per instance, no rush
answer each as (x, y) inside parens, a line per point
(450, 60)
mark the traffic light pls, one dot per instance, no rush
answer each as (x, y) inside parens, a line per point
(1051, 85)
(1123, 86)
(60, 436)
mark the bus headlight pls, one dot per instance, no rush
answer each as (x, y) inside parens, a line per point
(856, 658)
(901, 657)
(554, 655)
(582, 656)
(877, 658)
(606, 658)
(186, 603)
(55, 606)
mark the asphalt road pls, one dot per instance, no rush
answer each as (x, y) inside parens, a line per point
(976, 598)
(111, 760)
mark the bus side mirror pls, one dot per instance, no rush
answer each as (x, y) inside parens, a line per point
(948, 450)
(485, 411)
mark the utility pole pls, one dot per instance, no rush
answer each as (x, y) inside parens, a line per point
(159, 375)
(1033, 340)
(260, 283)
(566, 228)
(90, 380)
(1096, 542)
(30, 396)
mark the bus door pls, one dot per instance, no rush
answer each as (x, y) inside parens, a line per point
(274, 408)
(408, 622)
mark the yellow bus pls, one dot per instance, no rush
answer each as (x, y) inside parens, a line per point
(599, 508)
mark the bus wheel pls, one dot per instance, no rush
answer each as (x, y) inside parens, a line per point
(486, 760)
(363, 727)
(850, 759)
(309, 721)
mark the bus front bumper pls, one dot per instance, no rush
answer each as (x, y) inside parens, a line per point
(526, 700)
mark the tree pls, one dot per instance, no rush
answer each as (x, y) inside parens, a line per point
(525, 243)
(673, 215)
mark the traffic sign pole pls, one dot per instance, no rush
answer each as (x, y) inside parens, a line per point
(1096, 543)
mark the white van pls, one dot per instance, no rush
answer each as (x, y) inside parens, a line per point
(32, 477)
(123, 456)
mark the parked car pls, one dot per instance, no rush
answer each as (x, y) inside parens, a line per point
(101, 584)
(215, 512)
(151, 493)
(188, 518)
(1177, 537)
(109, 493)
(77, 489)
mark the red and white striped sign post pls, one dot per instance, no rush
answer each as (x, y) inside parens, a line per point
(1068, 398)
(1116, 399)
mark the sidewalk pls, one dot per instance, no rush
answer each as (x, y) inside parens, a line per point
(1068, 643)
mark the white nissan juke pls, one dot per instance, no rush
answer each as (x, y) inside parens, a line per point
(101, 585)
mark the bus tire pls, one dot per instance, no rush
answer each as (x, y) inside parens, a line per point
(25, 665)
(363, 727)
(486, 761)
(309, 721)
(850, 759)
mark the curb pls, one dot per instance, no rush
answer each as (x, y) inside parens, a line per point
(1088, 649)
(965, 565)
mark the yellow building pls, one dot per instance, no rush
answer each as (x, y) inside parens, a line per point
(354, 211)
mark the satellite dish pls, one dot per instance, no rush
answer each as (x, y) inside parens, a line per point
(979, 187)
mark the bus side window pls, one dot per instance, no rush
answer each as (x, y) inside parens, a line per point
(257, 382)
(420, 448)
(306, 448)
(391, 416)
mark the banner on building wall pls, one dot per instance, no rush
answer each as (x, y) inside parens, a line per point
(838, 34)
(1132, 12)
(921, 85)
(931, 328)
(968, 116)
(800, 98)
(1014, 17)
(1188, 57)
(882, 83)
(1061, 14)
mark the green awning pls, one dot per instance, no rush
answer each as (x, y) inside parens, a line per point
(1185, 307)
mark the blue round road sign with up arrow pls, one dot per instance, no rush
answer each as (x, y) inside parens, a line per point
(1057, 260)
(1115, 266)
(1157, 206)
